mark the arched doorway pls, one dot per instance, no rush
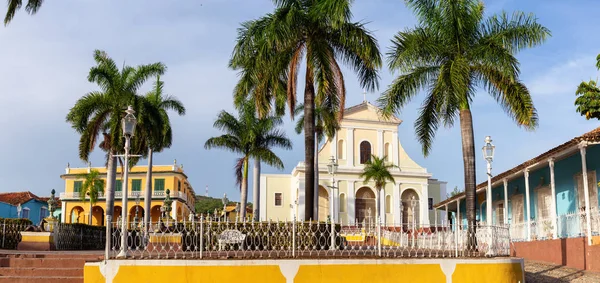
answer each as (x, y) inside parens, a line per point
(98, 216)
(77, 215)
(136, 211)
(410, 208)
(365, 205)
(155, 214)
(323, 204)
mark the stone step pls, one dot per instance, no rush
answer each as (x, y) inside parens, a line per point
(90, 256)
(40, 279)
(43, 262)
(41, 271)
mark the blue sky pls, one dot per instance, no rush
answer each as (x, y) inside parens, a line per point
(44, 62)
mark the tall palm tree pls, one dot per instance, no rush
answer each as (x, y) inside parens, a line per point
(155, 130)
(449, 54)
(378, 171)
(92, 187)
(326, 125)
(588, 96)
(320, 32)
(251, 137)
(101, 111)
(31, 8)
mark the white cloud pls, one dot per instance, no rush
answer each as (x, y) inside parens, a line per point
(563, 78)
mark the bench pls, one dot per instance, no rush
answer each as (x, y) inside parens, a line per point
(231, 237)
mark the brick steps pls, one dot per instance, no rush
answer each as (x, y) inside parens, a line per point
(40, 279)
(36, 271)
(50, 267)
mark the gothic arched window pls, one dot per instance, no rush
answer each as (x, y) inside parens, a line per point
(365, 152)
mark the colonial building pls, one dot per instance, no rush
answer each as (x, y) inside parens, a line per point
(553, 195)
(171, 177)
(23, 205)
(363, 132)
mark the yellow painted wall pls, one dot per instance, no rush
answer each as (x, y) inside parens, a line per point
(278, 184)
(300, 271)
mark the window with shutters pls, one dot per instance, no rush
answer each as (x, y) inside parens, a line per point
(77, 186)
(278, 199)
(136, 185)
(592, 189)
(159, 185)
(43, 212)
(388, 204)
(25, 213)
(500, 213)
(365, 152)
(118, 186)
(517, 209)
(544, 202)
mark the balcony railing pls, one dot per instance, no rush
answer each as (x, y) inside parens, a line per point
(131, 194)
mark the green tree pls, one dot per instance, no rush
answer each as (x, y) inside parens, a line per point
(588, 97)
(251, 137)
(272, 48)
(378, 171)
(154, 131)
(101, 111)
(31, 8)
(452, 52)
(454, 192)
(92, 187)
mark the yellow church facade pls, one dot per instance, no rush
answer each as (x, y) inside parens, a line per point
(364, 132)
(171, 177)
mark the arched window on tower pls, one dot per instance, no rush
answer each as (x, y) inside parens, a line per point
(341, 149)
(365, 152)
(386, 152)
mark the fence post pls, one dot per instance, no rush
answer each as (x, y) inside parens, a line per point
(3, 232)
(294, 237)
(201, 235)
(379, 236)
(108, 237)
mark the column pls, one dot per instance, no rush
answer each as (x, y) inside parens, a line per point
(63, 213)
(173, 210)
(458, 220)
(446, 216)
(350, 147)
(262, 204)
(396, 210)
(395, 144)
(380, 143)
(553, 192)
(527, 204)
(425, 208)
(301, 200)
(336, 201)
(586, 191)
(505, 212)
(350, 204)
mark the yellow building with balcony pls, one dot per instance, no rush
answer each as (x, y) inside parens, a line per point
(164, 177)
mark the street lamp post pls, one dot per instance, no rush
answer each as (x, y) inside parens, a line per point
(137, 207)
(488, 154)
(128, 124)
(332, 169)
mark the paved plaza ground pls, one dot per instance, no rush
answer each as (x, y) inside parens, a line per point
(538, 272)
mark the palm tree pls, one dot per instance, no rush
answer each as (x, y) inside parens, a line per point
(155, 130)
(588, 95)
(450, 53)
(273, 47)
(326, 125)
(251, 137)
(31, 8)
(377, 170)
(93, 187)
(101, 111)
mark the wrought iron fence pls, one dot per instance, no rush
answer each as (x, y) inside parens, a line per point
(294, 239)
(79, 237)
(11, 233)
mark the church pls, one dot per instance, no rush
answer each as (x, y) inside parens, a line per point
(363, 132)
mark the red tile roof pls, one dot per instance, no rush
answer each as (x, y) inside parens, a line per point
(16, 198)
(591, 136)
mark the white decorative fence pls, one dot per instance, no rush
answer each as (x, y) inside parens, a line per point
(293, 239)
(570, 225)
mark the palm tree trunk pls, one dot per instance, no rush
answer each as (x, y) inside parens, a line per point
(244, 196)
(90, 215)
(468, 148)
(111, 178)
(148, 192)
(256, 191)
(309, 144)
(316, 197)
